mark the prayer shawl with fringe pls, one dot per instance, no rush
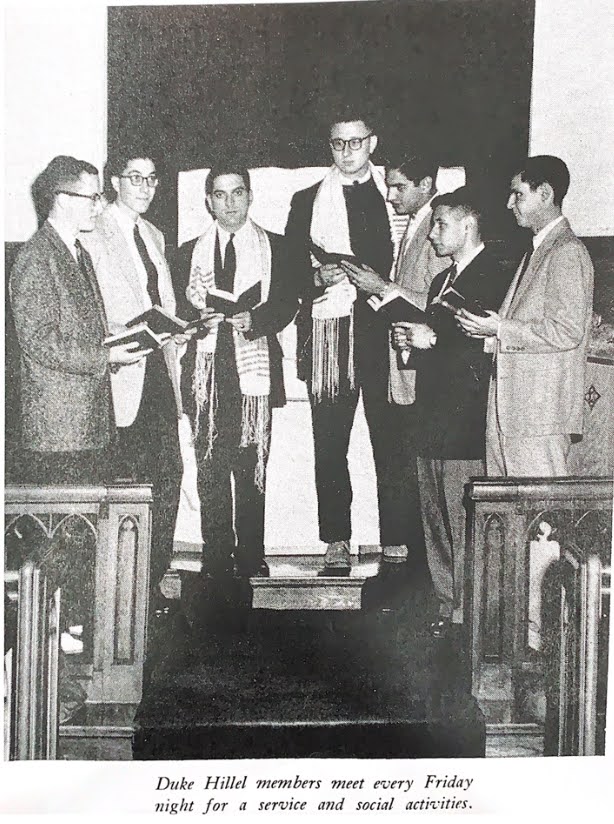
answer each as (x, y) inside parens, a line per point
(252, 356)
(330, 230)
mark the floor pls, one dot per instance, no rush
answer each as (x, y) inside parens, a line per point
(225, 680)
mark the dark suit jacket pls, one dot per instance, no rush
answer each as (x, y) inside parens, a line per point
(367, 322)
(269, 319)
(452, 378)
(60, 326)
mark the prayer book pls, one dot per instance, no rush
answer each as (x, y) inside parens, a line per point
(401, 309)
(160, 321)
(453, 301)
(141, 334)
(324, 257)
(228, 305)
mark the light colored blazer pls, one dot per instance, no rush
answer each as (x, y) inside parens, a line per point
(416, 269)
(543, 340)
(125, 298)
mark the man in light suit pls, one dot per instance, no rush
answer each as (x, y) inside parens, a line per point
(411, 188)
(540, 335)
(128, 256)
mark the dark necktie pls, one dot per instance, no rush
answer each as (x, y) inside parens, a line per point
(152, 272)
(227, 273)
(525, 266)
(87, 268)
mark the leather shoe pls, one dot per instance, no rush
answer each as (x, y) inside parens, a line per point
(261, 571)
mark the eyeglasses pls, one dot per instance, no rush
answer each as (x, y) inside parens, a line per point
(137, 180)
(95, 198)
(355, 143)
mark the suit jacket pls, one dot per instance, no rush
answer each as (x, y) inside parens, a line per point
(543, 340)
(370, 330)
(453, 377)
(60, 325)
(416, 267)
(125, 298)
(268, 319)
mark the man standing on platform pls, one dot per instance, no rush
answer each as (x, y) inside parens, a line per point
(540, 335)
(66, 416)
(411, 189)
(128, 256)
(232, 372)
(451, 388)
(342, 343)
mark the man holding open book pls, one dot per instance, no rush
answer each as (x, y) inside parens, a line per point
(128, 256)
(232, 373)
(451, 390)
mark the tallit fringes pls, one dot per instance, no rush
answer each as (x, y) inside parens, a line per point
(254, 430)
(325, 359)
(205, 395)
(351, 374)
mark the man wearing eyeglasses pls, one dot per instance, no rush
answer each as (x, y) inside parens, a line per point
(66, 415)
(342, 342)
(128, 254)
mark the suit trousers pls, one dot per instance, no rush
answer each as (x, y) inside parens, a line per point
(231, 524)
(148, 452)
(442, 487)
(396, 485)
(543, 456)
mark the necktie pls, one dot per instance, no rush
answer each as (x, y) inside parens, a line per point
(152, 272)
(82, 259)
(525, 266)
(87, 268)
(229, 267)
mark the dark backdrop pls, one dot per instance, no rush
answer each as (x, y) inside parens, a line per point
(196, 82)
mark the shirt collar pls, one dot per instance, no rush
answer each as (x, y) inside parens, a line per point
(539, 237)
(224, 235)
(126, 222)
(465, 261)
(422, 212)
(67, 237)
(362, 179)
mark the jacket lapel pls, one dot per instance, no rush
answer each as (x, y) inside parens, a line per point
(411, 253)
(117, 241)
(537, 259)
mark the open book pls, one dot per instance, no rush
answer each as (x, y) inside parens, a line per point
(399, 308)
(160, 321)
(324, 257)
(228, 305)
(453, 301)
(141, 334)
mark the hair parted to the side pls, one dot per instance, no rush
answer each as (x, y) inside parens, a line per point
(413, 167)
(467, 199)
(547, 169)
(60, 173)
(230, 168)
(118, 162)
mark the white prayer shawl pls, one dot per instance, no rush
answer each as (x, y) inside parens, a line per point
(330, 230)
(252, 356)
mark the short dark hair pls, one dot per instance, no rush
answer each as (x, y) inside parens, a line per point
(118, 160)
(414, 167)
(466, 199)
(547, 169)
(227, 169)
(61, 172)
(351, 116)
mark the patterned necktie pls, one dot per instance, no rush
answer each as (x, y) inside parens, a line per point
(152, 272)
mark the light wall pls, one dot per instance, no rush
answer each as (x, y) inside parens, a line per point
(55, 61)
(55, 97)
(572, 104)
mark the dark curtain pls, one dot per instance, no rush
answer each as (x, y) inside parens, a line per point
(200, 83)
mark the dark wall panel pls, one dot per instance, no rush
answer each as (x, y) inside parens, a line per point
(450, 76)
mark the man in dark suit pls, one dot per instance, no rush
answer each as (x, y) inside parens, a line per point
(232, 371)
(342, 342)
(66, 417)
(451, 390)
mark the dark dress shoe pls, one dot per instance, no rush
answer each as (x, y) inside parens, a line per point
(261, 571)
(334, 572)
